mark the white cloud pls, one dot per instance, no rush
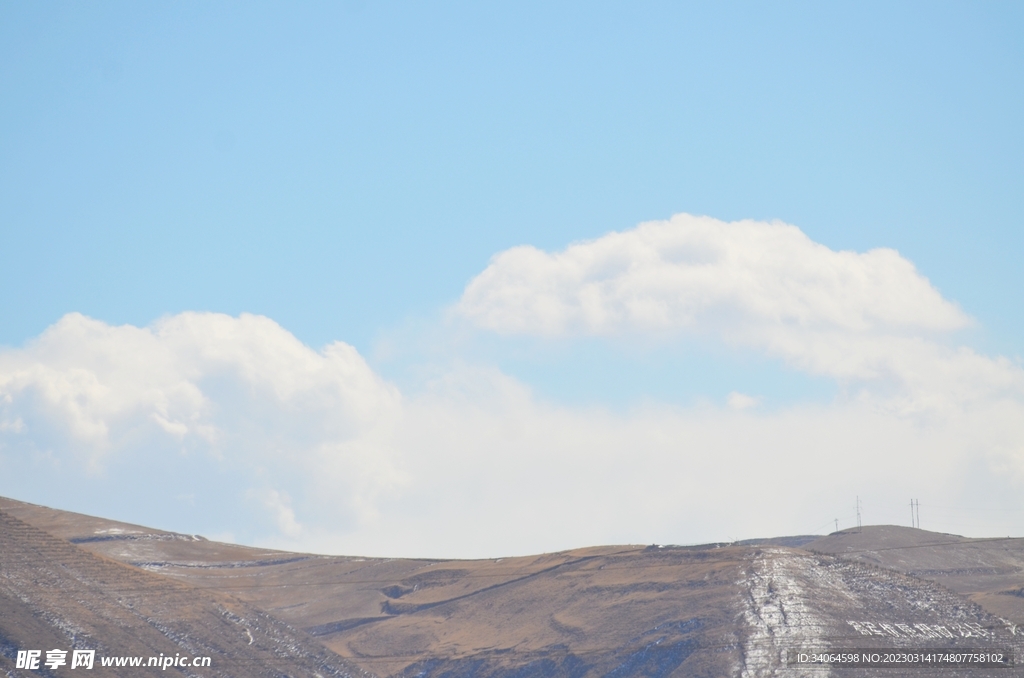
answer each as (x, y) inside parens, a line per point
(856, 317)
(699, 273)
(280, 506)
(741, 401)
(202, 399)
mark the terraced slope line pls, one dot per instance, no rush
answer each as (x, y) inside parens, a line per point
(54, 595)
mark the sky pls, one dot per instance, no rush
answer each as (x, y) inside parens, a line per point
(464, 280)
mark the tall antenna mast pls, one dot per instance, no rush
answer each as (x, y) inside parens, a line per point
(837, 524)
(858, 511)
(912, 514)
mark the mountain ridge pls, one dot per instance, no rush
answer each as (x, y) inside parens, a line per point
(616, 611)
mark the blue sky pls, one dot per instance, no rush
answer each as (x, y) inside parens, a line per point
(347, 169)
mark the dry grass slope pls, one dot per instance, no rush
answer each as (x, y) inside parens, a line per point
(613, 612)
(56, 595)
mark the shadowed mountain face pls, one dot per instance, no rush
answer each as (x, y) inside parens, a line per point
(717, 610)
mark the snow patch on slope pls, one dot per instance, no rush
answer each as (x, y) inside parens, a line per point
(777, 614)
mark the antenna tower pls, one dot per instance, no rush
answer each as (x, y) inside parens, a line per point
(858, 511)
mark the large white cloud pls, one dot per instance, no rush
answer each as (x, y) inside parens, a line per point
(856, 317)
(702, 274)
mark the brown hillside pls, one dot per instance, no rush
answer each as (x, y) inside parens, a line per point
(717, 610)
(989, 572)
(56, 595)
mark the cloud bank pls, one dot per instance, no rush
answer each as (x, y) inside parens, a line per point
(231, 426)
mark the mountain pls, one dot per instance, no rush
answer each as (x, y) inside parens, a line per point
(55, 595)
(989, 572)
(615, 611)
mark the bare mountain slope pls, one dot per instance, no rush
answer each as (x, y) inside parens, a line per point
(619, 612)
(54, 595)
(989, 572)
